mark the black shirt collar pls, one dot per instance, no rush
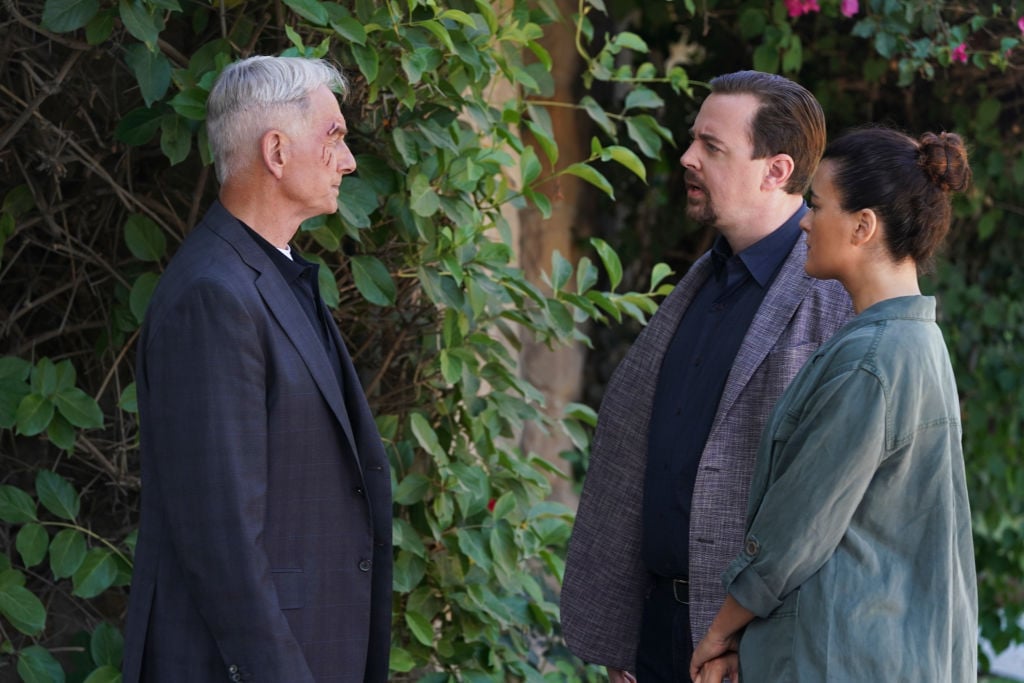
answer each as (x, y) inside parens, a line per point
(763, 258)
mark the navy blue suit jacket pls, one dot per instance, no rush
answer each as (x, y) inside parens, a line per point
(264, 551)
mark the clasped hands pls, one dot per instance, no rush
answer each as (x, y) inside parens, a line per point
(715, 660)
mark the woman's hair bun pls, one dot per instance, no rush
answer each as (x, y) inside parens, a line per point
(943, 158)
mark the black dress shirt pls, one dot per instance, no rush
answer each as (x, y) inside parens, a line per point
(690, 384)
(301, 276)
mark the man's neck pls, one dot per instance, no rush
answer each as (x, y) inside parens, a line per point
(761, 222)
(253, 208)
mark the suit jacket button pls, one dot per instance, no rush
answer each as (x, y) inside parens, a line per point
(359, 490)
(364, 565)
(233, 669)
(236, 677)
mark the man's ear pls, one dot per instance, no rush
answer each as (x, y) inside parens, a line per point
(867, 228)
(274, 152)
(778, 170)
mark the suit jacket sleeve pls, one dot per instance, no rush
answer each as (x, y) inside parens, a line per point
(206, 374)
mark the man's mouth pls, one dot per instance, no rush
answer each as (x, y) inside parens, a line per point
(693, 188)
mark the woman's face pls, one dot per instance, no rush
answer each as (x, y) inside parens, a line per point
(830, 230)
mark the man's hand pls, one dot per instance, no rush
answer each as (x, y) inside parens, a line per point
(620, 676)
(711, 647)
(726, 667)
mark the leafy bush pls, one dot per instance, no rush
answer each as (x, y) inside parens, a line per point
(418, 263)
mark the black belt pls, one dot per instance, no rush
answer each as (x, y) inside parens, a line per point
(680, 587)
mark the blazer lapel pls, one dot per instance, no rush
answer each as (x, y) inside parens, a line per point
(769, 322)
(282, 305)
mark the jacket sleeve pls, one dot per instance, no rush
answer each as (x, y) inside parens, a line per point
(206, 378)
(820, 463)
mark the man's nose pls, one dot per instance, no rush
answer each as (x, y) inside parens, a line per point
(346, 161)
(688, 160)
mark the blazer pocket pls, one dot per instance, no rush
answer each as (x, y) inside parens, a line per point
(291, 587)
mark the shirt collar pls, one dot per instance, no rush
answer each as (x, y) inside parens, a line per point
(763, 258)
(291, 268)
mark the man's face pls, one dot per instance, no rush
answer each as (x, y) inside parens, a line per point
(723, 182)
(319, 156)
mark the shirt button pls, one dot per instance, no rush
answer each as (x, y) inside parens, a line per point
(752, 547)
(364, 565)
(358, 490)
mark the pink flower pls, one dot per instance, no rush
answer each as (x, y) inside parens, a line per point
(848, 7)
(799, 7)
(959, 53)
(1020, 24)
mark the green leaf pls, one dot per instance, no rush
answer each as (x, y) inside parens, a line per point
(175, 138)
(592, 176)
(78, 408)
(32, 543)
(423, 197)
(100, 27)
(561, 270)
(97, 573)
(151, 69)
(310, 10)
(142, 292)
(106, 646)
(190, 103)
(530, 165)
(12, 392)
(61, 434)
(16, 506)
(631, 41)
(356, 202)
(67, 552)
(350, 29)
(412, 489)
(129, 401)
(104, 674)
(426, 436)
(472, 546)
(23, 609)
(368, 61)
(420, 627)
(586, 275)
(145, 24)
(598, 115)
(659, 273)
(138, 126)
(643, 98)
(63, 16)
(33, 415)
(401, 661)
(611, 261)
(144, 239)
(373, 280)
(626, 157)
(57, 495)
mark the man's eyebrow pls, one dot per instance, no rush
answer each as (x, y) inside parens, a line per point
(337, 129)
(707, 137)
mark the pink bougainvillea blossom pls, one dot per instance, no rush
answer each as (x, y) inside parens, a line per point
(959, 53)
(799, 7)
(848, 7)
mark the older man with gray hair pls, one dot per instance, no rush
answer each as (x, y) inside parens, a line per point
(264, 550)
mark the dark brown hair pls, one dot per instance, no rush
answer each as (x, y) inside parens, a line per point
(907, 182)
(789, 121)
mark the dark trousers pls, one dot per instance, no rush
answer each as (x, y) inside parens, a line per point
(665, 642)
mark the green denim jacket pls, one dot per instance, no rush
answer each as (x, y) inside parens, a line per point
(858, 557)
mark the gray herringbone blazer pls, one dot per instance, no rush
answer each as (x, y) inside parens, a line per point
(605, 579)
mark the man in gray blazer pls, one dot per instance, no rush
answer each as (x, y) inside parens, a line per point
(663, 504)
(264, 552)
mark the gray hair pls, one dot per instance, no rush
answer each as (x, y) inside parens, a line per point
(257, 94)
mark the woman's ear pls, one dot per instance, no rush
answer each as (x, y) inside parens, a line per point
(273, 150)
(867, 228)
(779, 169)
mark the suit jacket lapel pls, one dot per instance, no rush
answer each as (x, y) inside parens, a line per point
(282, 305)
(769, 322)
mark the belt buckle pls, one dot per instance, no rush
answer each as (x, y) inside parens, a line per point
(686, 588)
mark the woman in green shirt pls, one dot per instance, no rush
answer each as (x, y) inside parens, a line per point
(858, 563)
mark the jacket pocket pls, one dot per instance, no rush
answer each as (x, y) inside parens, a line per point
(291, 587)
